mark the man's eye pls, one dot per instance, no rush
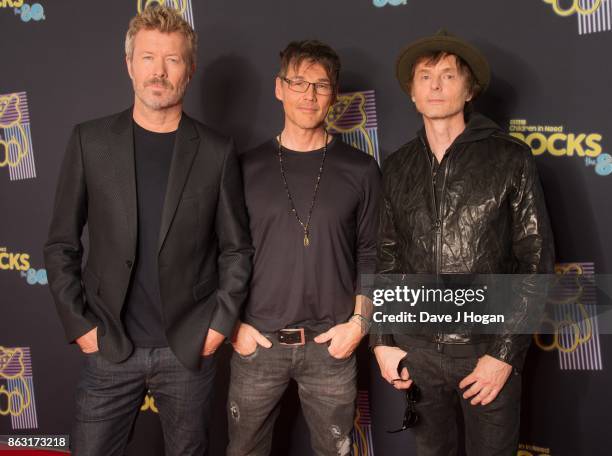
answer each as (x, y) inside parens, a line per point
(299, 84)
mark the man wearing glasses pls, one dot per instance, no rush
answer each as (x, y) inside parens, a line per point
(312, 205)
(463, 197)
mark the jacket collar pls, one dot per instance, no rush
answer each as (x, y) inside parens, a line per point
(477, 127)
(121, 148)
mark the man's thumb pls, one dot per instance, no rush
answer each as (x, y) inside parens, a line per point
(262, 340)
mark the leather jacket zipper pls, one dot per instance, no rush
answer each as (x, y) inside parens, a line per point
(433, 197)
(440, 227)
(438, 224)
(438, 208)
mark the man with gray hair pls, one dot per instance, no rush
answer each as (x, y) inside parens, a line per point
(169, 250)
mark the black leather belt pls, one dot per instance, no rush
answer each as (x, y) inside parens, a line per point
(294, 336)
(460, 350)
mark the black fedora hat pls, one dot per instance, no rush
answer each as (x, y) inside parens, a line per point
(442, 41)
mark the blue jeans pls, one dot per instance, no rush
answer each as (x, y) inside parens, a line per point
(327, 388)
(109, 396)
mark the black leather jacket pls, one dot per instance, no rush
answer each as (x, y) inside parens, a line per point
(484, 213)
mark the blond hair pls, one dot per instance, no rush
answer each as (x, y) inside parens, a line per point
(165, 20)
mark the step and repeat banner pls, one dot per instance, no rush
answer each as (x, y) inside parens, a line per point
(62, 62)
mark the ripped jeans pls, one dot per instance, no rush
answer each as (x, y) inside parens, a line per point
(327, 388)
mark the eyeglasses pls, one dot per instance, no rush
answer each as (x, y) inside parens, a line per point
(411, 417)
(301, 86)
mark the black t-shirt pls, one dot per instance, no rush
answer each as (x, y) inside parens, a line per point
(314, 286)
(143, 313)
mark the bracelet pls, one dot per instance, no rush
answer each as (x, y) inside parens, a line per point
(363, 321)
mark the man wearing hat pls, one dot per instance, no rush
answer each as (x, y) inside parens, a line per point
(463, 197)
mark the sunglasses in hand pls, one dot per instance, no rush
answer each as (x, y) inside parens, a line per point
(411, 416)
(413, 396)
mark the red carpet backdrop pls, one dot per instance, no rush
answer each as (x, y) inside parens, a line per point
(62, 62)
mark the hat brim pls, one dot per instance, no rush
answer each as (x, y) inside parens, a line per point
(472, 56)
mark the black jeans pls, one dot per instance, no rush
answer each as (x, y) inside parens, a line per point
(490, 430)
(109, 396)
(327, 388)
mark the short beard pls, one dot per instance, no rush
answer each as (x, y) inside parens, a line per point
(157, 104)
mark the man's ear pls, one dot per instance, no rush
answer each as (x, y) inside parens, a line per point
(470, 95)
(278, 88)
(128, 64)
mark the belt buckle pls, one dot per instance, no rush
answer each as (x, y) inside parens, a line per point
(291, 336)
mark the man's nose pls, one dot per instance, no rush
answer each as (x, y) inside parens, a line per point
(159, 70)
(311, 93)
(435, 83)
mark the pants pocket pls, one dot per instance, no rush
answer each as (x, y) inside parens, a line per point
(250, 356)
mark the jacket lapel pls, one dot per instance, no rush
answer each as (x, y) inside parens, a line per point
(185, 149)
(121, 149)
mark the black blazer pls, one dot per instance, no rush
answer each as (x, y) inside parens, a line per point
(205, 251)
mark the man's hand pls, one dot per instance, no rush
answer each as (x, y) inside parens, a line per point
(487, 380)
(388, 359)
(344, 337)
(246, 338)
(213, 340)
(88, 342)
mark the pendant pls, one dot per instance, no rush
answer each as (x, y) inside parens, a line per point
(306, 240)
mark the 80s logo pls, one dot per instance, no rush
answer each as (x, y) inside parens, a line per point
(25, 11)
(19, 261)
(593, 15)
(354, 117)
(576, 7)
(571, 319)
(16, 152)
(17, 387)
(555, 141)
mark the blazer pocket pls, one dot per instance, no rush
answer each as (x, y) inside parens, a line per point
(205, 288)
